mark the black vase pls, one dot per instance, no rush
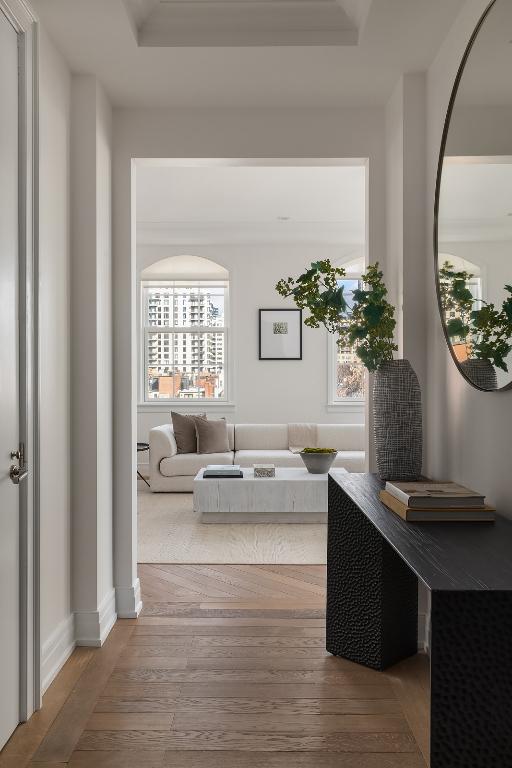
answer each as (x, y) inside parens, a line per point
(397, 421)
(481, 373)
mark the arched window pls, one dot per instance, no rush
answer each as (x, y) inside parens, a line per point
(185, 310)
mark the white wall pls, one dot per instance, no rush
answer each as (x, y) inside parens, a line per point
(209, 133)
(405, 205)
(93, 591)
(468, 431)
(54, 320)
(262, 391)
(480, 130)
(104, 412)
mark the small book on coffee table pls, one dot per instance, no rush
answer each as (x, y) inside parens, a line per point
(222, 470)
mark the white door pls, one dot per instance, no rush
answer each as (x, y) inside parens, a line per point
(9, 383)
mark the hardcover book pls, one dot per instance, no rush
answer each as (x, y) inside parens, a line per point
(483, 514)
(428, 495)
(223, 467)
(226, 471)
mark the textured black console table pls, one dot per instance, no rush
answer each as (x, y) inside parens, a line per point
(374, 561)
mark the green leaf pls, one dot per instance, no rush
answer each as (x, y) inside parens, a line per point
(456, 327)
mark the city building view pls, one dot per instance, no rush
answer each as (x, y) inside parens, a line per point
(349, 375)
(350, 378)
(185, 344)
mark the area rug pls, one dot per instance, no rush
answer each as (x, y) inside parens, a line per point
(171, 532)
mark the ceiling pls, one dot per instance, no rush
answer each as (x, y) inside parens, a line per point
(384, 38)
(167, 23)
(476, 200)
(251, 205)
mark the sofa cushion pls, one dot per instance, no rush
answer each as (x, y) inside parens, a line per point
(184, 429)
(212, 435)
(352, 461)
(189, 464)
(281, 458)
(343, 437)
(302, 436)
(261, 437)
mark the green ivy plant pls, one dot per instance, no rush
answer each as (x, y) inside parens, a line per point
(492, 332)
(486, 331)
(457, 302)
(372, 321)
(367, 326)
(318, 290)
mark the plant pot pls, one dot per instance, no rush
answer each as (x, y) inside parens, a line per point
(481, 373)
(397, 421)
(318, 463)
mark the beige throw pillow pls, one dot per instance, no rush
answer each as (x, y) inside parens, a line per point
(212, 436)
(184, 430)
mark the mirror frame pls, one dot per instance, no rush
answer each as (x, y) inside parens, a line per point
(444, 140)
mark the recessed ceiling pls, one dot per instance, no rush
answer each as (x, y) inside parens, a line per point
(179, 23)
(251, 204)
(393, 36)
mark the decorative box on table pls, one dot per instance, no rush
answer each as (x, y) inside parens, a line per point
(264, 470)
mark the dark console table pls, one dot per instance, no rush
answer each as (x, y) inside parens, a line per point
(374, 561)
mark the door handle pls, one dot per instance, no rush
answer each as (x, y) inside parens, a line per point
(20, 472)
(17, 474)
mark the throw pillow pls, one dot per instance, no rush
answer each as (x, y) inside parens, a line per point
(184, 430)
(212, 436)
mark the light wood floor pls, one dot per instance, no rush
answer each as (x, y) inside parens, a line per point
(226, 668)
(169, 531)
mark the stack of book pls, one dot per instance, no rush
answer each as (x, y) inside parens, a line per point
(222, 470)
(436, 502)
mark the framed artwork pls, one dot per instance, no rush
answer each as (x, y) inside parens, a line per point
(280, 334)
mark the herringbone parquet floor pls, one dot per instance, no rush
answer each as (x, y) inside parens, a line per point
(226, 668)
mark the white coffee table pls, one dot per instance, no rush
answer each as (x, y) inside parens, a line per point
(292, 496)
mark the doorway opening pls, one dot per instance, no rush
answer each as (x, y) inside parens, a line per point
(212, 238)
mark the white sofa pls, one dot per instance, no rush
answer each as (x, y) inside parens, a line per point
(249, 444)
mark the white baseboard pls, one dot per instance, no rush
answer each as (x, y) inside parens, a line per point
(128, 602)
(56, 651)
(93, 627)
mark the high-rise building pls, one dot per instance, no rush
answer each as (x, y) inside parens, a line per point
(192, 362)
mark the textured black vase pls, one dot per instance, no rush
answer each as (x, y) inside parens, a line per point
(397, 421)
(481, 373)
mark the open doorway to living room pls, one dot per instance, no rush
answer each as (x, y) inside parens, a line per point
(229, 375)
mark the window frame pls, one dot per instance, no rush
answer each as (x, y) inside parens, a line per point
(145, 331)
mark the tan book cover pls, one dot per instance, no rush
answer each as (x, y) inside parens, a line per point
(429, 495)
(483, 514)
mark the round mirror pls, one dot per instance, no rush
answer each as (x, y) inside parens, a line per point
(473, 210)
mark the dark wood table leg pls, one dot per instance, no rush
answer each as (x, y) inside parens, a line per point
(471, 680)
(372, 595)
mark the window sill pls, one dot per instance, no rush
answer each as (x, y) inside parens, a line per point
(176, 405)
(349, 405)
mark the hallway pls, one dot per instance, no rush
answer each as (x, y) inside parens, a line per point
(226, 668)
